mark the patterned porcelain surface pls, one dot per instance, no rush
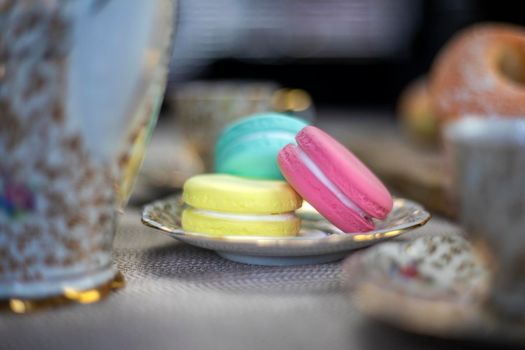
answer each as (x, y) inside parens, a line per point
(433, 285)
(319, 241)
(80, 82)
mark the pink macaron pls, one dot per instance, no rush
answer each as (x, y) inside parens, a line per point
(334, 181)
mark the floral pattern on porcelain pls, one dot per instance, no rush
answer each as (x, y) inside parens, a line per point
(58, 170)
(434, 285)
(441, 265)
(57, 231)
(16, 199)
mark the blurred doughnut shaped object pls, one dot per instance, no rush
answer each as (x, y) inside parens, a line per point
(481, 71)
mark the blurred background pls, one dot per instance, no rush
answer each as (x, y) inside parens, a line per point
(352, 67)
(357, 53)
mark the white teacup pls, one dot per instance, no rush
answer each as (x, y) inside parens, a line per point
(80, 86)
(488, 162)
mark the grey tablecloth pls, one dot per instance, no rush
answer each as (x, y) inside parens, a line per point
(180, 297)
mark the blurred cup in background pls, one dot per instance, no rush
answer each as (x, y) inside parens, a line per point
(203, 108)
(487, 159)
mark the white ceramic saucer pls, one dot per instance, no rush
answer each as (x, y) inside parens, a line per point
(318, 242)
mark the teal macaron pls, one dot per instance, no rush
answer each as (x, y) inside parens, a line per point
(249, 147)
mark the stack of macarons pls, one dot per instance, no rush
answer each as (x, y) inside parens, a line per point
(265, 165)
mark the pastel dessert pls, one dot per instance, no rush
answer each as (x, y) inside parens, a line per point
(334, 181)
(481, 72)
(250, 146)
(220, 205)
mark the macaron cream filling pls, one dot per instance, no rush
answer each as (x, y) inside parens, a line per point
(244, 217)
(318, 173)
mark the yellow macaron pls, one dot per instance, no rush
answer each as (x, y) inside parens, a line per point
(221, 205)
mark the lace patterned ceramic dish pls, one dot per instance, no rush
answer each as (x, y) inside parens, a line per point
(319, 241)
(433, 285)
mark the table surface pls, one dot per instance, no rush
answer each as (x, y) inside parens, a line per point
(181, 297)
